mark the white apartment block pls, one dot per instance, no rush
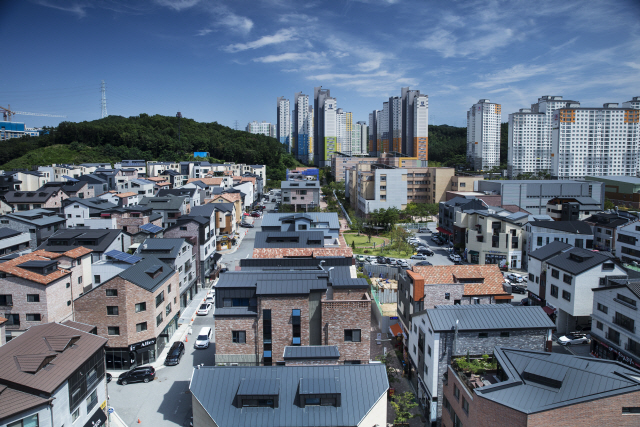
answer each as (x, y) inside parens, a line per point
(483, 135)
(420, 135)
(283, 126)
(595, 141)
(343, 131)
(359, 138)
(258, 128)
(383, 128)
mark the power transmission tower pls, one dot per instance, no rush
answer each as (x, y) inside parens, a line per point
(103, 100)
(235, 126)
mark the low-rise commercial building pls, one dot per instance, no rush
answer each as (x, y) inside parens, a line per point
(606, 226)
(540, 233)
(572, 208)
(302, 195)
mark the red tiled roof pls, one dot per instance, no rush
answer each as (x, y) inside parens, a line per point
(128, 194)
(443, 274)
(78, 252)
(11, 267)
(301, 252)
(207, 181)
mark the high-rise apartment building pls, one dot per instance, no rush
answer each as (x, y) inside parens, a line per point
(483, 135)
(417, 135)
(324, 126)
(344, 129)
(302, 127)
(283, 127)
(395, 124)
(634, 103)
(595, 142)
(373, 133)
(262, 128)
(359, 138)
(383, 128)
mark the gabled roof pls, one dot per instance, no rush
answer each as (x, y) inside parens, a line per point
(162, 248)
(163, 203)
(289, 239)
(101, 239)
(550, 250)
(12, 402)
(5, 233)
(92, 179)
(96, 203)
(177, 192)
(361, 387)
(207, 181)
(13, 267)
(575, 227)
(578, 260)
(137, 273)
(307, 352)
(39, 196)
(483, 317)
(35, 343)
(275, 219)
(37, 217)
(607, 220)
(303, 252)
(490, 278)
(538, 381)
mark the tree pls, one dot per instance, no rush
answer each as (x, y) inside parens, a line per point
(357, 223)
(403, 404)
(608, 204)
(353, 245)
(391, 373)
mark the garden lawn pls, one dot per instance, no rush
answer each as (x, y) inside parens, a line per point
(362, 240)
(387, 253)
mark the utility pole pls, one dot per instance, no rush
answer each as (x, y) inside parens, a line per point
(103, 99)
(179, 115)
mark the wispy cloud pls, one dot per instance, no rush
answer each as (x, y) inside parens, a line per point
(290, 56)
(281, 36)
(178, 4)
(297, 18)
(76, 8)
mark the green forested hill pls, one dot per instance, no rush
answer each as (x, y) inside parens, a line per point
(448, 144)
(145, 137)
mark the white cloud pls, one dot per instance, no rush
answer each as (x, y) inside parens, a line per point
(290, 56)
(515, 73)
(204, 32)
(281, 36)
(178, 4)
(235, 22)
(297, 18)
(77, 9)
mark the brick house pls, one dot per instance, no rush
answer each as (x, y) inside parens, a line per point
(46, 197)
(170, 207)
(137, 310)
(39, 223)
(259, 312)
(425, 287)
(79, 189)
(446, 332)
(538, 389)
(99, 241)
(40, 287)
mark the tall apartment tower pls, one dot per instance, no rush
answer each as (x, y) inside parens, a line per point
(634, 103)
(373, 133)
(395, 124)
(344, 128)
(324, 126)
(417, 136)
(302, 127)
(595, 141)
(359, 138)
(483, 135)
(283, 126)
(263, 128)
(383, 128)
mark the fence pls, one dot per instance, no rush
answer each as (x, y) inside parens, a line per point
(384, 296)
(383, 271)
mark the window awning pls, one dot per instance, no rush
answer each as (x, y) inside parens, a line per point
(444, 230)
(548, 310)
(503, 297)
(474, 253)
(396, 330)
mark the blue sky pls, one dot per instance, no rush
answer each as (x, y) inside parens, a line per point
(229, 60)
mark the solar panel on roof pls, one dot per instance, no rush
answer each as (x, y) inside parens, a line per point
(124, 257)
(151, 228)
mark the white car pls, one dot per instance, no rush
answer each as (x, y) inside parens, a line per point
(574, 338)
(455, 258)
(204, 309)
(209, 299)
(515, 277)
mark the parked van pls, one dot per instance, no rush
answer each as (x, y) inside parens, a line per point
(202, 341)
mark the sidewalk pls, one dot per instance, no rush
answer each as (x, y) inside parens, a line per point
(243, 232)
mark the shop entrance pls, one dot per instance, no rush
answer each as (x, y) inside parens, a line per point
(142, 358)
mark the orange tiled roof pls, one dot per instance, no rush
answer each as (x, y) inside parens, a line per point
(162, 184)
(156, 179)
(77, 252)
(301, 252)
(128, 194)
(443, 274)
(231, 197)
(207, 181)
(11, 267)
(2, 320)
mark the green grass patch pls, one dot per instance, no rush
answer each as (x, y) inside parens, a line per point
(362, 240)
(383, 252)
(57, 154)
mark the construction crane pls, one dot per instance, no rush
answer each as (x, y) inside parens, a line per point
(7, 113)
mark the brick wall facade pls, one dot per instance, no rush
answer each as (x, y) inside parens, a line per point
(281, 322)
(91, 309)
(224, 328)
(341, 314)
(132, 223)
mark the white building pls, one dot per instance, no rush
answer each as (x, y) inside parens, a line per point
(575, 233)
(595, 141)
(359, 138)
(628, 243)
(563, 279)
(261, 128)
(283, 125)
(418, 138)
(634, 103)
(483, 135)
(344, 129)
(303, 128)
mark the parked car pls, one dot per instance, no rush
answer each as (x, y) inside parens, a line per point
(419, 256)
(209, 299)
(109, 377)
(246, 225)
(515, 277)
(574, 338)
(524, 301)
(455, 258)
(360, 258)
(204, 337)
(423, 263)
(515, 289)
(391, 261)
(402, 263)
(381, 260)
(175, 353)
(275, 209)
(436, 240)
(371, 258)
(426, 251)
(255, 214)
(273, 199)
(204, 309)
(423, 230)
(136, 375)
(211, 292)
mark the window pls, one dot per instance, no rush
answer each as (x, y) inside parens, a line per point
(631, 410)
(112, 310)
(80, 280)
(239, 337)
(599, 325)
(33, 298)
(566, 295)
(554, 291)
(483, 335)
(352, 335)
(603, 308)
(75, 415)
(531, 277)
(141, 306)
(6, 300)
(456, 392)
(539, 241)
(159, 319)
(113, 330)
(92, 400)
(111, 292)
(295, 325)
(141, 327)
(167, 310)
(465, 406)
(31, 421)
(159, 298)
(555, 274)
(504, 334)
(429, 350)
(626, 300)
(447, 295)
(567, 279)
(607, 266)
(169, 289)
(96, 278)
(34, 317)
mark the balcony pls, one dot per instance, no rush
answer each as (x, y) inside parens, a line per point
(476, 371)
(614, 338)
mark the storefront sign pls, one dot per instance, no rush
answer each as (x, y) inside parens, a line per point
(97, 420)
(104, 405)
(619, 356)
(142, 344)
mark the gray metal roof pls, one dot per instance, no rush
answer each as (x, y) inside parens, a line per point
(347, 282)
(361, 386)
(539, 381)
(483, 317)
(626, 179)
(310, 263)
(289, 239)
(319, 386)
(550, 250)
(236, 311)
(7, 232)
(37, 217)
(101, 239)
(137, 275)
(163, 203)
(289, 287)
(306, 352)
(275, 219)
(576, 227)
(162, 248)
(259, 387)
(93, 203)
(578, 260)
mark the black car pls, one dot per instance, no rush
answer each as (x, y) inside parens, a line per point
(425, 251)
(381, 260)
(175, 354)
(423, 263)
(246, 225)
(136, 375)
(109, 377)
(515, 289)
